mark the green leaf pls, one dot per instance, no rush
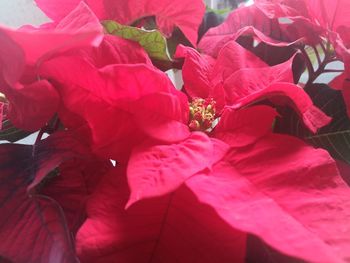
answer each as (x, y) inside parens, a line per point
(11, 133)
(335, 137)
(223, 12)
(152, 41)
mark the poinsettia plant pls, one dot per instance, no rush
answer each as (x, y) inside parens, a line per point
(254, 143)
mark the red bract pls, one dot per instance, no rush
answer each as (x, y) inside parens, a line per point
(124, 100)
(245, 81)
(33, 101)
(329, 14)
(175, 228)
(250, 190)
(74, 182)
(32, 226)
(262, 22)
(330, 20)
(185, 14)
(150, 174)
(196, 170)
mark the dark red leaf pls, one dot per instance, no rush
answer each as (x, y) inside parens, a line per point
(72, 185)
(32, 226)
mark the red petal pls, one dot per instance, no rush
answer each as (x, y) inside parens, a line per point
(233, 57)
(217, 37)
(12, 60)
(155, 170)
(57, 10)
(80, 28)
(339, 82)
(32, 227)
(330, 14)
(168, 124)
(168, 229)
(117, 50)
(116, 96)
(75, 181)
(245, 126)
(33, 102)
(246, 81)
(57, 148)
(290, 94)
(203, 75)
(186, 15)
(33, 105)
(195, 71)
(285, 192)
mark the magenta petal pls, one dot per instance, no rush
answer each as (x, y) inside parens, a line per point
(287, 193)
(57, 10)
(33, 102)
(57, 148)
(116, 50)
(162, 116)
(32, 106)
(195, 71)
(217, 37)
(12, 60)
(76, 180)
(331, 14)
(116, 95)
(185, 14)
(155, 170)
(245, 126)
(290, 94)
(232, 58)
(170, 229)
(78, 29)
(246, 81)
(32, 226)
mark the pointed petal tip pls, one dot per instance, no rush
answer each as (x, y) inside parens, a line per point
(132, 200)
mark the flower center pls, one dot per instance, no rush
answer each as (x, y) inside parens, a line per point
(202, 114)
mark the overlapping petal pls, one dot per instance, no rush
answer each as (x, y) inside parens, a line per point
(155, 170)
(260, 22)
(186, 15)
(175, 228)
(33, 101)
(75, 181)
(32, 226)
(121, 102)
(297, 205)
(245, 126)
(239, 78)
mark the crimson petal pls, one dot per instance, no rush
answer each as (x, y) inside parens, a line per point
(32, 226)
(287, 193)
(174, 228)
(155, 170)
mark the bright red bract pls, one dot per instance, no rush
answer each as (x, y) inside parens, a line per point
(137, 168)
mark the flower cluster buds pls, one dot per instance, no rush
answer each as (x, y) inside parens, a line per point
(202, 114)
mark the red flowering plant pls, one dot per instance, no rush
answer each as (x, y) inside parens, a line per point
(136, 170)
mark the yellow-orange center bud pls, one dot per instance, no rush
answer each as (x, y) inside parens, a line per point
(202, 114)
